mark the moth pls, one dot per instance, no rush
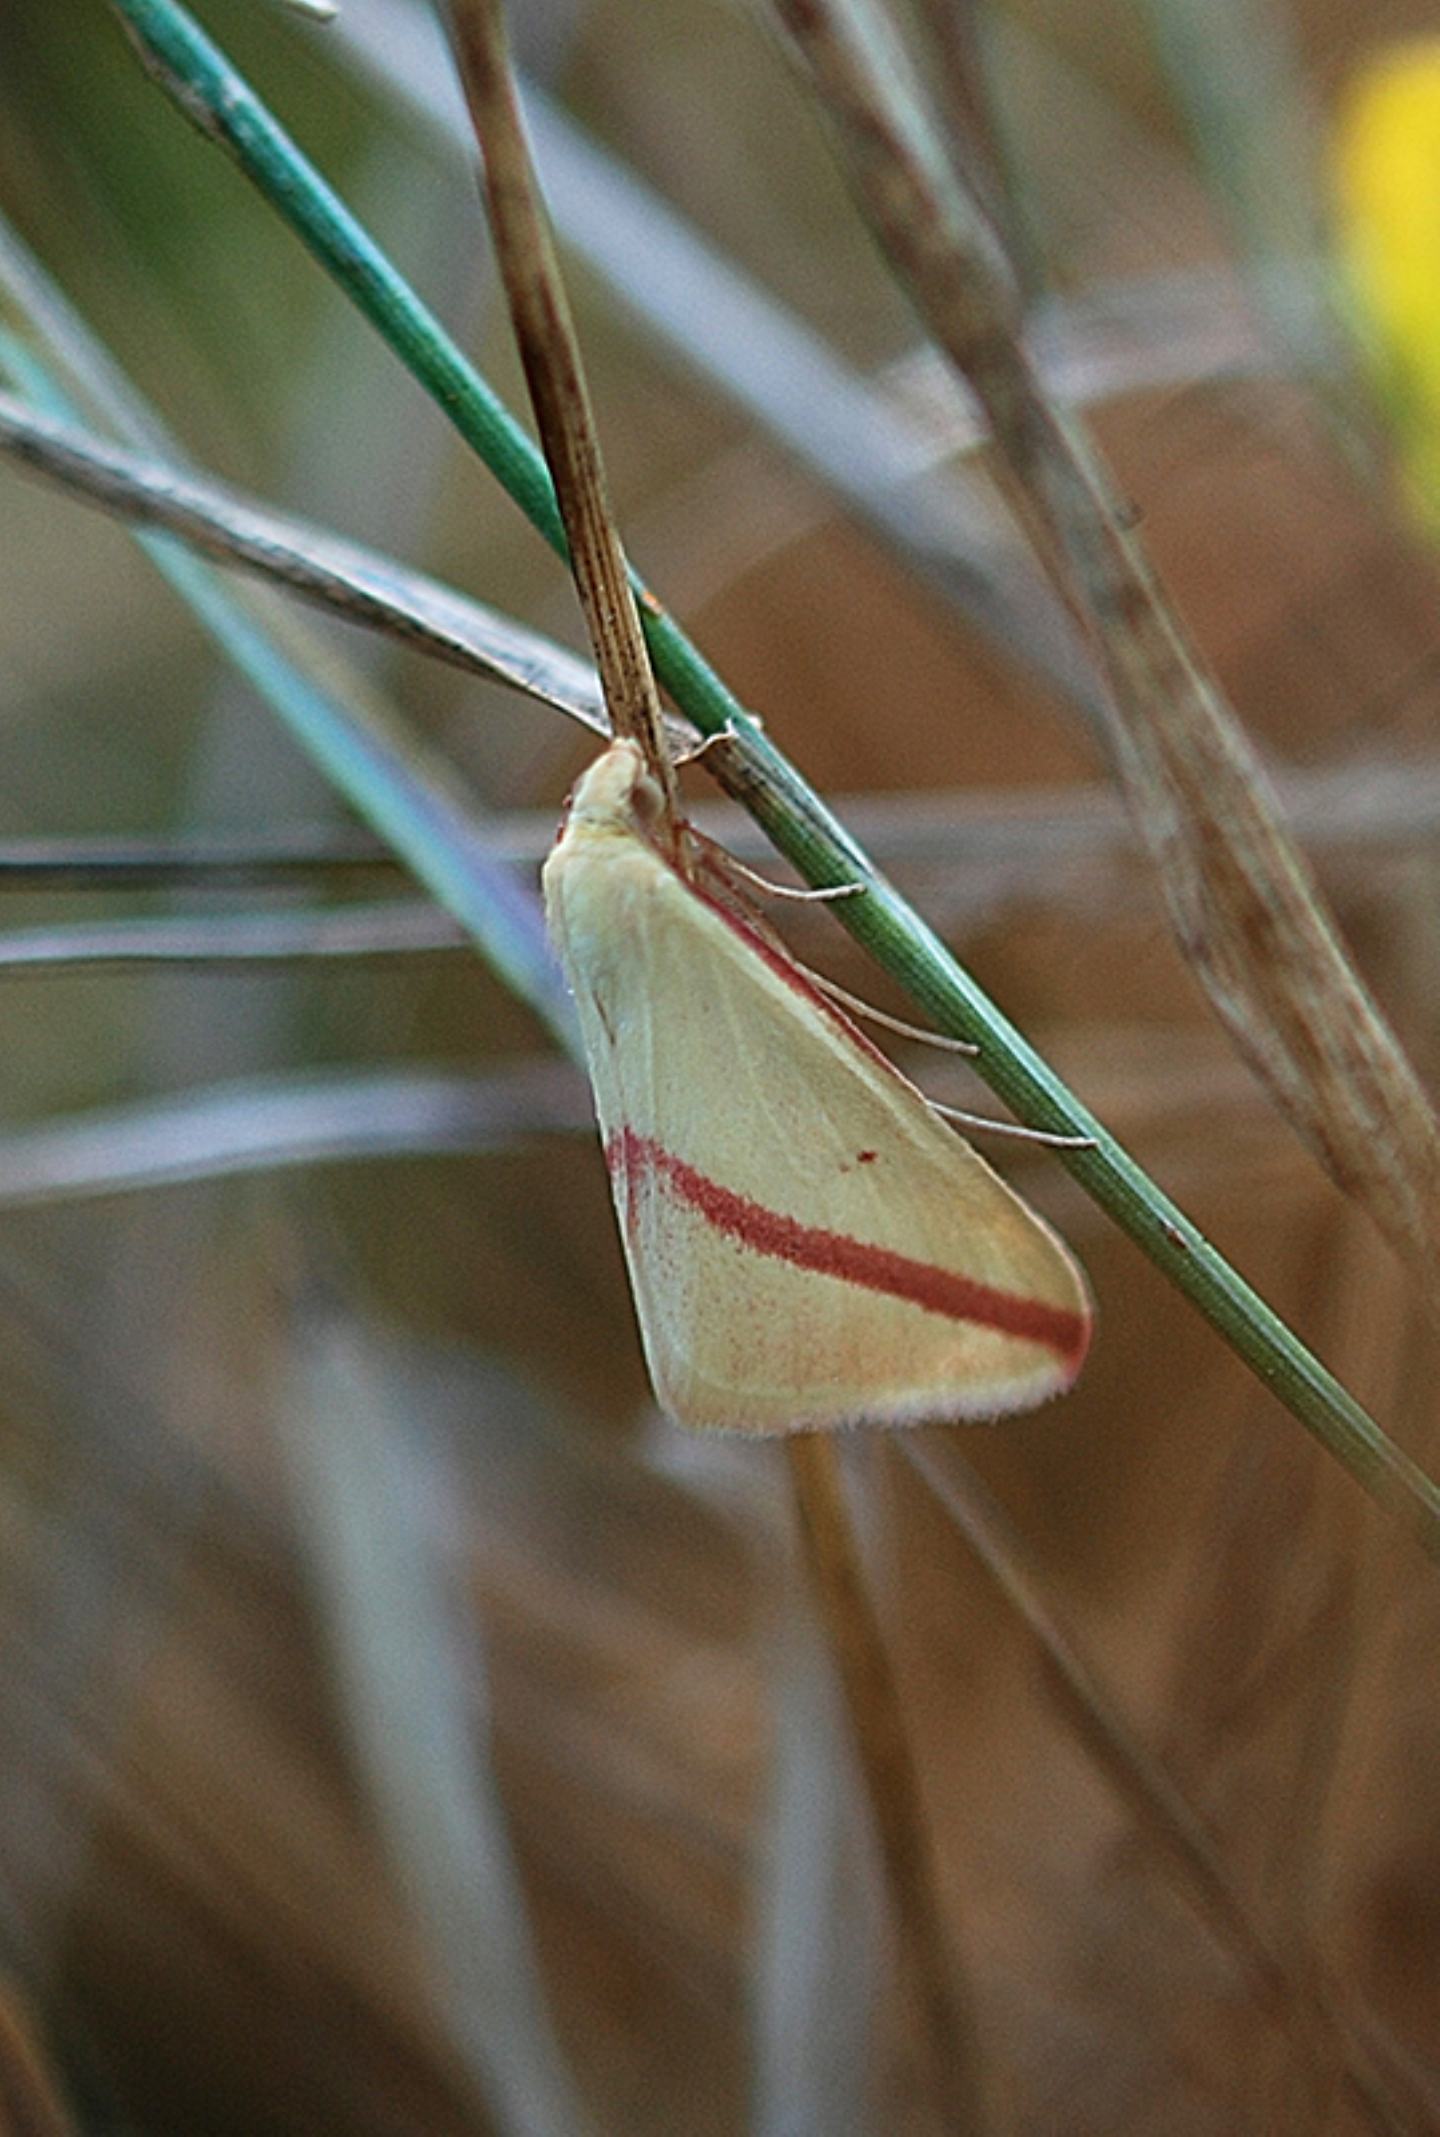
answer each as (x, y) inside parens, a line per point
(809, 1245)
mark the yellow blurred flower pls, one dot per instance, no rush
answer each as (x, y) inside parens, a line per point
(1387, 179)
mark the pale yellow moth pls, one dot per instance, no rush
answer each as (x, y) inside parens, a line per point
(808, 1244)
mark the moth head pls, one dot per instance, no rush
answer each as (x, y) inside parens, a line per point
(617, 793)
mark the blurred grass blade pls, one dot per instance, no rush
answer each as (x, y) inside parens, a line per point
(410, 796)
(264, 1124)
(818, 1981)
(31, 2104)
(1233, 70)
(344, 578)
(201, 857)
(1288, 1982)
(403, 928)
(374, 1503)
(212, 95)
(988, 847)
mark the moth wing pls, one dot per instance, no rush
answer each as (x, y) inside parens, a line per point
(808, 1244)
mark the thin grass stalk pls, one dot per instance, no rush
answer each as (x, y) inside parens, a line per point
(210, 857)
(359, 584)
(1246, 911)
(555, 373)
(954, 2075)
(216, 98)
(994, 844)
(955, 33)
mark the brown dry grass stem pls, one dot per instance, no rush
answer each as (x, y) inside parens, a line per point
(887, 1763)
(555, 376)
(1244, 906)
(955, 34)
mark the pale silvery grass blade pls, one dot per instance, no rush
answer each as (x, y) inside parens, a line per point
(264, 1124)
(343, 577)
(403, 928)
(372, 1496)
(401, 786)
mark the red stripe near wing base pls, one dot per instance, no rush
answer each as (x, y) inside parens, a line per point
(852, 1261)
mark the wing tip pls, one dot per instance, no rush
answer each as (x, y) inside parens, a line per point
(925, 1406)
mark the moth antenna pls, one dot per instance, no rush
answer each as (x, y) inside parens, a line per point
(861, 1008)
(1012, 1127)
(699, 749)
(806, 896)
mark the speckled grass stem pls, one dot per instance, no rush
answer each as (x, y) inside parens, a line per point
(555, 374)
(554, 371)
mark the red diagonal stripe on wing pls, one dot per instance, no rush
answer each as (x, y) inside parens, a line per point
(808, 1246)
